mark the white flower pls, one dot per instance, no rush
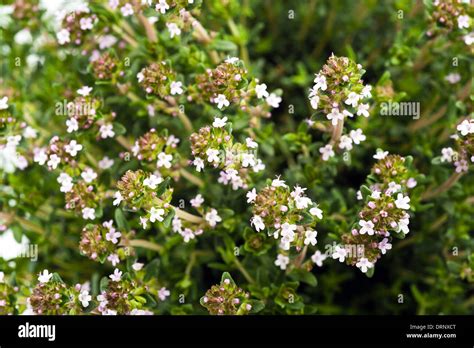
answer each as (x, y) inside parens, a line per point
(137, 266)
(66, 182)
(282, 261)
(469, 39)
(366, 91)
(152, 181)
(363, 109)
(261, 91)
(113, 259)
(72, 125)
(278, 182)
(88, 213)
(302, 202)
(327, 152)
(112, 236)
(187, 234)
(197, 201)
(176, 87)
(40, 156)
(447, 154)
(318, 258)
(63, 36)
(259, 166)
(380, 154)
(164, 160)
(402, 202)
(162, 6)
(156, 214)
(453, 78)
(106, 131)
(212, 218)
(463, 21)
(45, 276)
(86, 23)
(248, 160)
(221, 101)
(339, 253)
(143, 221)
(273, 100)
(310, 237)
(73, 148)
(163, 293)
(84, 91)
(89, 175)
(116, 276)
(384, 245)
(54, 160)
(394, 187)
(118, 198)
(212, 155)
(402, 225)
(366, 227)
(140, 77)
(106, 41)
(461, 166)
(257, 222)
(106, 163)
(219, 122)
(84, 298)
(364, 264)
(466, 127)
(199, 163)
(173, 29)
(357, 136)
(315, 211)
(250, 143)
(232, 60)
(251, 195)
(352, 99)
(4, 103)
(345, 143)
(334, 116)
(375, 194)
(29, 133)
(127, 10)
(314, 102)
(320, 83)
(2, 275)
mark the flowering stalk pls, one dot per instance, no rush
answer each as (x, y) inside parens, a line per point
(339, 92)
(384, 213)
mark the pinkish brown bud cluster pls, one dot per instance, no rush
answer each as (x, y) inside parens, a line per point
(226, 79)
(156, 79)
(226, 298)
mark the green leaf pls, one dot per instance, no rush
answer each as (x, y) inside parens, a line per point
(304, 276)
(163, 186)
(169, 218)
(120, 220)
(224, 45)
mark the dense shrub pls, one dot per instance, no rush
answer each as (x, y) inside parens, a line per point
(237, 157)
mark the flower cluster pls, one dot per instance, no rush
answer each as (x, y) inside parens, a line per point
(107, 67)
(385, 211)
(289, 215)
(160, 149)
(339, 92)
(76, 27)
(52, 297)
(227, 298)
(7, 305)
(214, 145)
(103, 242)
(450, 16)
(465, 145)
(159, 79)
(221, 85)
